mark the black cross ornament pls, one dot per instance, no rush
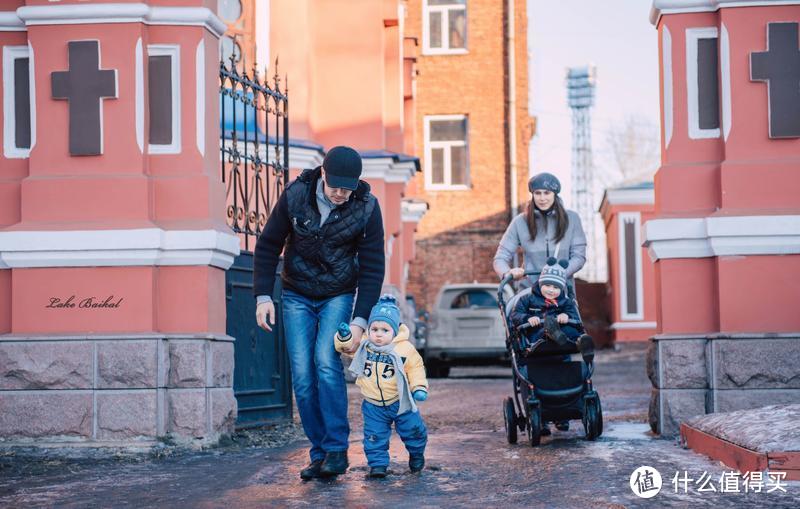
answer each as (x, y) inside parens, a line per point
(779, 66)
(84, 86)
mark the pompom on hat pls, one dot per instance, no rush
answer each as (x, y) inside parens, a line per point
(554, 273)
(386, 310)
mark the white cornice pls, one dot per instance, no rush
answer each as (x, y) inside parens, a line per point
(630, 196)
(660, 7)
(110, 248)
(303, 157)
(387, 169)
(412, 211)
(722, 236)
(120, 13)
(10, 22)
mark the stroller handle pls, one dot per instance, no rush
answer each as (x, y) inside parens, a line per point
(507, 279)
(525, 326)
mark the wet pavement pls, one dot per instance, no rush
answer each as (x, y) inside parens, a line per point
(469, 462)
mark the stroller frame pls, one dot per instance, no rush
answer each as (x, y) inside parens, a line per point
(531, 405)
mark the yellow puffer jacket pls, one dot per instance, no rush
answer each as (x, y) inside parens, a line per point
(378, 384)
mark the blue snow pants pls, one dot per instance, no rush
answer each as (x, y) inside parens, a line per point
(378, 430)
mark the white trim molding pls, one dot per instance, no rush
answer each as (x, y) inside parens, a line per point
(387, 169)
(10, 54)
(633, 325)
(200, 96)
(629, 196)
(666, 49)
(174, 52)
(114, 248)
(636, 219)
(139, 92)
(412, 211)
(302, 157)
(722, 236)
(10, 22)
(661, 7)
(725, 81)
(121, 13)
(693, 35)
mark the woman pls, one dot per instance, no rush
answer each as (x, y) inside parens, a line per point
(545, 229)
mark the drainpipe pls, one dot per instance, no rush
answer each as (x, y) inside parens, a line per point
(512, 107)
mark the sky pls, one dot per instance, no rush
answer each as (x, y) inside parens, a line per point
(617, 37)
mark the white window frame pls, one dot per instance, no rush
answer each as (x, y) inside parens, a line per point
(10, 149)
(622, 217)
(426, 40)
(174, 51)
(693, 103)
(448, 168)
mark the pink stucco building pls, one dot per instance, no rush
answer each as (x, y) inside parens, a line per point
(725, 237)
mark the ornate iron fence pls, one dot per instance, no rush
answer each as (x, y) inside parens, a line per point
(254, 146)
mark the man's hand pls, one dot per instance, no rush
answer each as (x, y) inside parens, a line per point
(517, 273)
(358, 333)
(265, 311)
(562, 318)
(534, 321)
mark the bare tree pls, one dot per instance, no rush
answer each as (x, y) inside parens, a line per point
(634, 148)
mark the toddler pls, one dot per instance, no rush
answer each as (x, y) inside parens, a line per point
(391, 376)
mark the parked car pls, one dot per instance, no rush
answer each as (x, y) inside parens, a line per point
(465, 328)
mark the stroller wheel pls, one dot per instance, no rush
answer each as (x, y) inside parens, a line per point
(592, 418)
(510, 418)
(534, 426)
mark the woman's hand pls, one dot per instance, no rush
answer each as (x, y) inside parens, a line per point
(562, 318)
(517, 273)
(535, 321)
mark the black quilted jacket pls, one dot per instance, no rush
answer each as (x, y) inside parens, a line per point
(344, 254)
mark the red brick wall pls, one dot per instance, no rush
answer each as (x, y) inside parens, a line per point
(457, 238)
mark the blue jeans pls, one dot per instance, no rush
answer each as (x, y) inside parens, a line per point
(378, 430)
(317, 373)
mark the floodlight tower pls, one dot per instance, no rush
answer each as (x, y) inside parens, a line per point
(580, 96)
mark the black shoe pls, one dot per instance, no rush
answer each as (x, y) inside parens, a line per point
(416, 462)
(545, 430)
(554, 332)
(562, 425)
(335, 463)
(311, 471)
(377, 472)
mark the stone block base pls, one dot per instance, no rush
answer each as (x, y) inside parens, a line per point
(107, 390)
(694, 375)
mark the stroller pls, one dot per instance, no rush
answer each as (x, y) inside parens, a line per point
(552, 390)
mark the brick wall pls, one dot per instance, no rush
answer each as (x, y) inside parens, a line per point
(458, 236)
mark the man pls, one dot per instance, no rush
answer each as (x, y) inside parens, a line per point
(332, 229)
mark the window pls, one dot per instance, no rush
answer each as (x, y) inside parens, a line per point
(163, 82)
(444, 27)
(473, 299)
(446, 154)
(18, 121)
(702, 82)
(631, 298)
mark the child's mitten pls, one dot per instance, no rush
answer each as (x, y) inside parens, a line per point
(420, 395)
(343, 332)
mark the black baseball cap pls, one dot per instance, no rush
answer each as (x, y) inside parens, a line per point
(342, 167)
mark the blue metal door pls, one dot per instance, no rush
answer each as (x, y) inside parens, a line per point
(261, 377)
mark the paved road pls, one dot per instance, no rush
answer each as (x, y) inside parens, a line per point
(470, 464)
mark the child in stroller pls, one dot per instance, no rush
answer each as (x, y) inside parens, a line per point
(544, 329)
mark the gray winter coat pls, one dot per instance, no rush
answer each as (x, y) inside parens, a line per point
(572, 247)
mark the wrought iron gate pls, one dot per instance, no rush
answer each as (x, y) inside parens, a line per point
(254, 161)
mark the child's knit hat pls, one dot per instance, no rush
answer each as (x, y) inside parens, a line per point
(554, 273)
(386, 310)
